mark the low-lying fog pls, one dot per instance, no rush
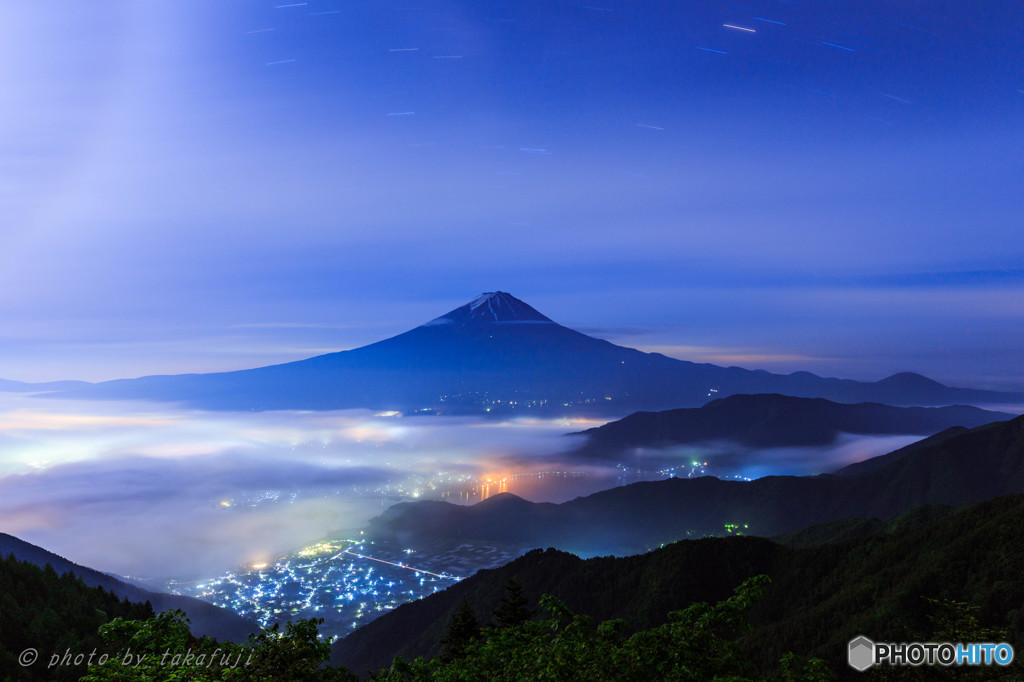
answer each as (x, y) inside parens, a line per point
(153, 490)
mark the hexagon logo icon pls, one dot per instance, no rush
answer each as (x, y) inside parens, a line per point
(861, 653)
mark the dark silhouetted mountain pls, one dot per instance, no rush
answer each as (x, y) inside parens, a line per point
(820, 597)
(849, 529)
(497, 354)
(206, 618)
(868, 465)
(772, 420)
(960, 468)
(640, 588)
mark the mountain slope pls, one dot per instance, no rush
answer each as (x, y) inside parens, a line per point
(641, 588)
(772, 420)
(207, 619)
(498, 354)
(820, 597)
(960, 468)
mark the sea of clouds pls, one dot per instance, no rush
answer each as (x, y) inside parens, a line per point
(153, 490)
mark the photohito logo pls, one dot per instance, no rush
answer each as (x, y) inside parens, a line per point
(862, 653)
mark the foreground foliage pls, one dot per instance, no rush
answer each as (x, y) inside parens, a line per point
(52, 614)
(701, 643)
(698, 643)
(162, 648)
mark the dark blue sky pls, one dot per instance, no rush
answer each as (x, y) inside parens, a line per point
(791, 185)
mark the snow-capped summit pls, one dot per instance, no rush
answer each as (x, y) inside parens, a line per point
(495, 355)
(492, 307)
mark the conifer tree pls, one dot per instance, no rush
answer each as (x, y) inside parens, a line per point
(513, 609)
(463, 630)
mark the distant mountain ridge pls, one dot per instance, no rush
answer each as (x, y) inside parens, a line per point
(8, 386)
(957, 468)
(206, 619)
(773, 420)
(497, 354)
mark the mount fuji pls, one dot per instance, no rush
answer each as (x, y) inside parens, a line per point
(497, 354)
